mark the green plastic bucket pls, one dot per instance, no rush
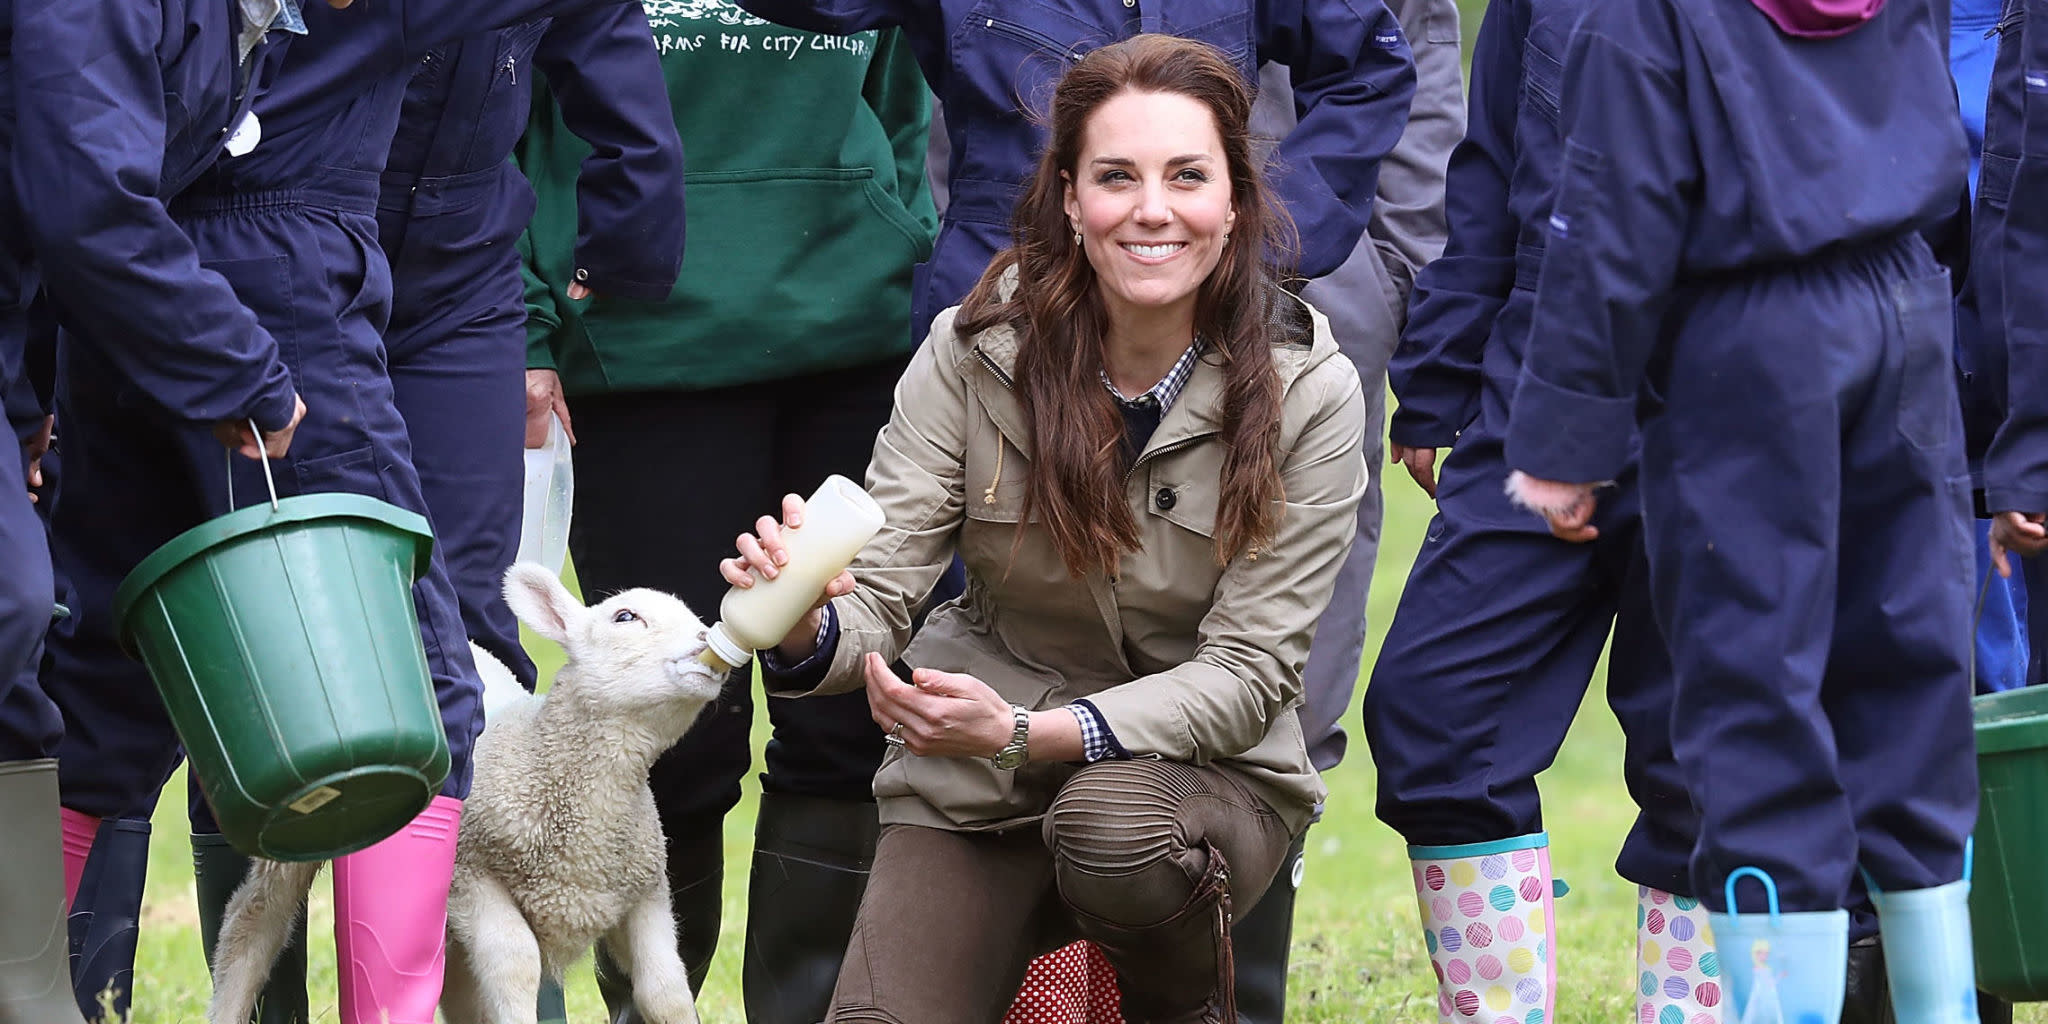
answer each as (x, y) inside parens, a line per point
(2009, 894)
(283, 639)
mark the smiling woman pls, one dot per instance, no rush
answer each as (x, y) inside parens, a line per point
(1149, 456)
(1149, 168)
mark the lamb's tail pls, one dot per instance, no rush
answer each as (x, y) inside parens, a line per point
(501, 688)
(259, 921)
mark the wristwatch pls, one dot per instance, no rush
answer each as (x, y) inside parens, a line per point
(1013, 756)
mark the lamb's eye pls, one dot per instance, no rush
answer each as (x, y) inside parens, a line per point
(624, 615)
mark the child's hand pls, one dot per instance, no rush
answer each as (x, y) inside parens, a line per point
(2016, 531)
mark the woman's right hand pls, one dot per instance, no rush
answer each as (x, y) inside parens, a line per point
(763, 552)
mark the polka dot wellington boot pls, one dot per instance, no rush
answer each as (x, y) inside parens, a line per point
(1678, 974)
(1488, 923)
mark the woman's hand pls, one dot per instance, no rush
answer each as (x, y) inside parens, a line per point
(939, 714)
(764, 552)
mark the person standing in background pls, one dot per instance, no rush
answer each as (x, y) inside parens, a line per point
(287, 214)
(771, 365)
(1366, 299)
(1772, 318)
(2003, 656)
(450, 213)
(993, 64)
(1501, 626)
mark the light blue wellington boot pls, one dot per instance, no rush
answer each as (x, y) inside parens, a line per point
(1927, 948)
(1781, 968)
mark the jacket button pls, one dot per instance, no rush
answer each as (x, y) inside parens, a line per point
(1165, 499)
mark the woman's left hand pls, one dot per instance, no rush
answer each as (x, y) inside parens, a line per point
(939, 714)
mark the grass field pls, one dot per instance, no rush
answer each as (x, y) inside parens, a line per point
(1357, 953)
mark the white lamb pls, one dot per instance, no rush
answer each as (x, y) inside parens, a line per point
(560, 845)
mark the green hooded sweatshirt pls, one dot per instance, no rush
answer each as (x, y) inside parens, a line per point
(807, 212)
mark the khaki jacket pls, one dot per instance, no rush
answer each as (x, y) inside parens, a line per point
(1185, 659)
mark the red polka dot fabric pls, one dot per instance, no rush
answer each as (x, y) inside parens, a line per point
(1070, 985)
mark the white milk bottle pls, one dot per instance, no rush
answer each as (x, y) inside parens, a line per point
(839, 520)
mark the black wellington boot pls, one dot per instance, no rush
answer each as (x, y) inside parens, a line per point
(696, 884)
(1867, 996)
(1261, 940)
(811, 859)
(106, 916)
(217, 871)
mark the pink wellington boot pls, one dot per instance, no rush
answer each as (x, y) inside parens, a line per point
(78, 829)
(390, 918)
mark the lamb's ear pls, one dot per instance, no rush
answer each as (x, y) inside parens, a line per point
(540, 600)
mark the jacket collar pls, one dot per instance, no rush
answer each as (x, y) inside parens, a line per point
(1198, 411)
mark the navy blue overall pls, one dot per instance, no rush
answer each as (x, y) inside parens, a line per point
(27, 592)
(993, 64)
(2009, 239)
(1501, 625)
(30, 725)
(292, 226)
(82, 218)
(451, 210)
(1722, 262)
(2003, 658)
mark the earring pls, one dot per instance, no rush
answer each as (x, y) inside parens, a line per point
(1226, 238)
(1077, 238)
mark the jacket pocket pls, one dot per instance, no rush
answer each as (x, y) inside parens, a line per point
(264, 285)
(1928, 411)
(1020, 48)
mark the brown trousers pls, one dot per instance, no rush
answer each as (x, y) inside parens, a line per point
(1132, 854)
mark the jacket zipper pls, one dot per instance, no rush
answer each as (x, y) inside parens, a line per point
(1033, 36)
(512, 68)
(993, 368)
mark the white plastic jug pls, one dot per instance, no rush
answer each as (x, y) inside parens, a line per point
(550, 497)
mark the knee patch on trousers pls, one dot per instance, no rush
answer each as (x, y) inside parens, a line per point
(1119, 817)
(1117, 821)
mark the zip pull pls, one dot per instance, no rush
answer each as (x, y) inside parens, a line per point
(512, 68)
(2011, 20)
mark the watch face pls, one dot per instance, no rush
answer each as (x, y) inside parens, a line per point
(1009, 759)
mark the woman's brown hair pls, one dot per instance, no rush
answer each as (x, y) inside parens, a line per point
(1075, 487)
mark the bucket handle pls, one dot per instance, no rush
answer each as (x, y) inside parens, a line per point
(1770, 890)
(268, 480)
